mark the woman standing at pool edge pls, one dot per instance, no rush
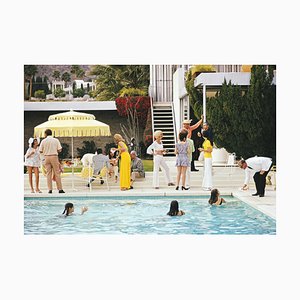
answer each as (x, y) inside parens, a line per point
(33, 162)
(157, 150)
(125, 163)
(207, 149)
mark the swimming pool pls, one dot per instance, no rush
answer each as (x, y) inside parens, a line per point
(143, 215)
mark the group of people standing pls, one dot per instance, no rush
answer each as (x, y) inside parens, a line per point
(184, 149)
(45, 152)
(127, 166)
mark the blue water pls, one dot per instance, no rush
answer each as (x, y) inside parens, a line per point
(143, 215)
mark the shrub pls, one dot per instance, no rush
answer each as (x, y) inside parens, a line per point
(64, 152)
(128, 92)
(89, 147)
(108, 146)
(78, 93)
(40, 94)
(59, 93)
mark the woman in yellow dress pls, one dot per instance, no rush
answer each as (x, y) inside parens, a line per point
(125, 163)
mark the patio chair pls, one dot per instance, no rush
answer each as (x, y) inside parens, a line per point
(87, 173)
(230, 162)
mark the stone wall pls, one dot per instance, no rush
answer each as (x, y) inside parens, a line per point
(111, 117)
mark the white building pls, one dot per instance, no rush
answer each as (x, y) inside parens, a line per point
(170, 100)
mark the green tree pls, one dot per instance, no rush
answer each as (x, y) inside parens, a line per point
(29, 73)
(66, 77)
(56, 75)
(89, 147)
(195, 95)
(246, 123)
(111, 79)
(77, 72)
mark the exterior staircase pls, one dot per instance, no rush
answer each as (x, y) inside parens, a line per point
(162, 119)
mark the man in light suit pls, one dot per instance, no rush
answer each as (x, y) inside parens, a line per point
(259, 168)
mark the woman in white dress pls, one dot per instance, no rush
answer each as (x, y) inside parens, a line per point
(157, 150)
(33, 162)
(207, 150)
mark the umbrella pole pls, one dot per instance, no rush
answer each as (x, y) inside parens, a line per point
(72, 164)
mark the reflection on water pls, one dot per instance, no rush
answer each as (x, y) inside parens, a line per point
(144, 216)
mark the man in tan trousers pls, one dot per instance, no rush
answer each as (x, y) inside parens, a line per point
(50, 147)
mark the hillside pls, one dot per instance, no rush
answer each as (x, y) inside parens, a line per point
(47, 70)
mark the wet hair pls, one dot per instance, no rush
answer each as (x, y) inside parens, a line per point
(174, 208)
(183, 135)
(213, 196)
(99, 150)
(67, 207)
(48, 132)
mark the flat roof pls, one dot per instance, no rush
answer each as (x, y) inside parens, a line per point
(68, 105)
(217, 79)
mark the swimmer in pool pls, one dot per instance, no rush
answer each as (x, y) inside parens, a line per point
(174, 209)
(215, 198)
(69, 209)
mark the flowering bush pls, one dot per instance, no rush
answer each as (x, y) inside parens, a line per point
(140, 103)
(148, 135)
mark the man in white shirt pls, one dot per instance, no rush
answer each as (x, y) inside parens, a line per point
(50, 147)
(259, 168)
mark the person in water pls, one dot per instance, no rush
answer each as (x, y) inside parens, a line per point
(69, 209)
(174, 209)
(215, 198)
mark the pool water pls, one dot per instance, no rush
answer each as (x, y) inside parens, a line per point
(143, 215)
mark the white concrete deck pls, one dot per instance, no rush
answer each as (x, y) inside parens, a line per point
(227, 180)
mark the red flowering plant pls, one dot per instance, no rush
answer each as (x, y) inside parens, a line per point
(139, 103)
(148, 135)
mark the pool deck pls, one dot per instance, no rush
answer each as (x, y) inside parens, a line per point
(228, 181)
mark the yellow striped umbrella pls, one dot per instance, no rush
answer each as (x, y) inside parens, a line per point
(72, 124)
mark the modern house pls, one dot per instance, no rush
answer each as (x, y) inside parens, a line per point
(170, 101)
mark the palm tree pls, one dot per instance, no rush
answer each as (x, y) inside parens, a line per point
(29, 73)
(77, 71)
(66, 77)
(111, 79)
(56, 74)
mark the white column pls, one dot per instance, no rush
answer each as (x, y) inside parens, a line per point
(204, 103)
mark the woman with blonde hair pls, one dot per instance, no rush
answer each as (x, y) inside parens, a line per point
(157, 150)
(125, 163)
